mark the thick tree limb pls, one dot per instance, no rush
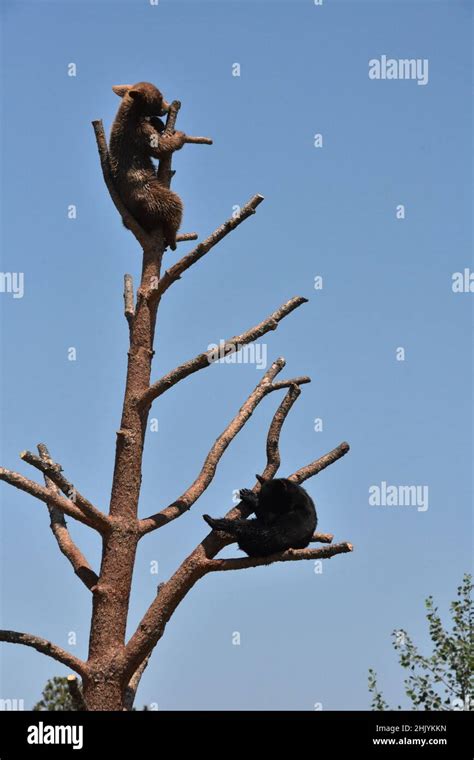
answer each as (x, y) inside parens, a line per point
(75, 692)
(54, 472)
(58, 525)
(42, 493)
(175, 272)
(232, 345)
(45, 647)
(292, 555)
(206, 475)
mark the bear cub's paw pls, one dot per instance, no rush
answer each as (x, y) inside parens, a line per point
(247, 495)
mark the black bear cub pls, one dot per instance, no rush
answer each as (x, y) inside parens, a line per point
(285, 518)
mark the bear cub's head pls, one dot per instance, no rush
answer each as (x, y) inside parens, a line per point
(280, 489)
(144, 97)
(280, 495)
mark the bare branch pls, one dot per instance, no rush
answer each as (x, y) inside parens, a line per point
(291, 555)
(302, 380)
(320, 464)
(175, 272)
(146, 241)
(45, 647)
(42, 493)
(198, 140)
(171, 117)
(323, 538)
(185, 236)
(164, 172)
(274, 431)
(54, 472)
(206, 475)
(131, 690)
(75, 692)
(129, 308)
(232, 345)
(67, 546)
(58, 525)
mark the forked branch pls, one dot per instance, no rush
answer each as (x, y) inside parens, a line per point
(60, 531)
(53, 470)
(43, 494)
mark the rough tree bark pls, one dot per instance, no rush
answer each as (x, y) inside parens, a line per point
(111, 674)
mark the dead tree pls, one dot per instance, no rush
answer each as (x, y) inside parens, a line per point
(112, 671)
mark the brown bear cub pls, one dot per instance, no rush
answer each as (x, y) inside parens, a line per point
(134, 139)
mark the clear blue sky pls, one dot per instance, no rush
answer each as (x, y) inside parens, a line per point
(305, 638)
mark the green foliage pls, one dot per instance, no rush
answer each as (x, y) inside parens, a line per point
(55, 696)
(445, 679)
(378, 702)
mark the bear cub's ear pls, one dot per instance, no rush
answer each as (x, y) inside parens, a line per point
(135, 94)
(121, 89)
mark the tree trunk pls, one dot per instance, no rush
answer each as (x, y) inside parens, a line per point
(112, 593)
(103, 691)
